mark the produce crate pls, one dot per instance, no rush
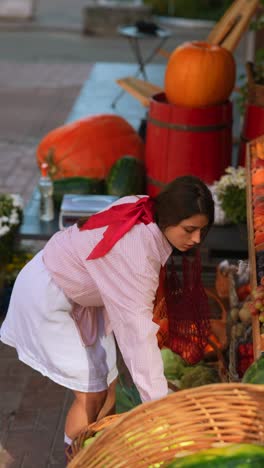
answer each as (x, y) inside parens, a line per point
(254, 157)
(182, 423)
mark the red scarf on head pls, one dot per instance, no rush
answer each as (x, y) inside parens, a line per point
(181, 310)
(119, 219)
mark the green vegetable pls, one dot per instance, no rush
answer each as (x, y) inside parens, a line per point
(255, 373)
(127, 396)
(231, 456)
(90, 440)
(174, 365)
(197, 375)
(78, 185)
(126, 177)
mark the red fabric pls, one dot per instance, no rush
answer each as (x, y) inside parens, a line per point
(119, 219)
(188, 310)
(160, 313)
(181, 310)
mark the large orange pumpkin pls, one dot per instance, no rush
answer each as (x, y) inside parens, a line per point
(89, 147)
(199, 74)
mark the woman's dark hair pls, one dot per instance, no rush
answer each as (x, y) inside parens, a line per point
(182, 198)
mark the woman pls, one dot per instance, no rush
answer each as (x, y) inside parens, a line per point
(98, 279)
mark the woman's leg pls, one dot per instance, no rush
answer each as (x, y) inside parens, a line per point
(110, 401)
(84, 410)
(89, 407)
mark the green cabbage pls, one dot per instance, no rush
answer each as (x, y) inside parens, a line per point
(201, 374)
(174, 365)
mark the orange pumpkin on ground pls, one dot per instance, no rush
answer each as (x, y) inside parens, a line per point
(89, 147)
(199, 74)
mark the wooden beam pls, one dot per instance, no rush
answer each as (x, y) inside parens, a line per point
(229, 29)
(139, 89)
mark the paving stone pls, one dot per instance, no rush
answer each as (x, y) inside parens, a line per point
(32, 408)
(5, 423)
(7, 351)
(46, 109)
(43, 75)
(29, 442)
(57, 459)
(14, 368)
(10, 400)
(11, 383)
(19, 172)
(24, 420)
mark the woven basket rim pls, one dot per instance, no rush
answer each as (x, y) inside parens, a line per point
(194, 398)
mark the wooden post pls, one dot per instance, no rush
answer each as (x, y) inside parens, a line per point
(258, 339)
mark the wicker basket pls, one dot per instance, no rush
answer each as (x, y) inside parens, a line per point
(181, 423)
(90, 431)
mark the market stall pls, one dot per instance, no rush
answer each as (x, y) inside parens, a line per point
(255, 171)
(215, 413)
(216, 405)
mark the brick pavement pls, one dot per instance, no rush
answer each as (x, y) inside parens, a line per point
(32, 414)
(34, 99)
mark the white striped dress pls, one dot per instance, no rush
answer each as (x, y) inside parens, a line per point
(112, 293)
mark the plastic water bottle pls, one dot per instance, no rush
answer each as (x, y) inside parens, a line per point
(45, 186)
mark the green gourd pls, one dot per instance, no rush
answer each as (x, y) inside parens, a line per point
(126, 177)
(231, 456)
(255, 373)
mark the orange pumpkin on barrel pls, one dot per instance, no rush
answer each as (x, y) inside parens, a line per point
(199, 74)
(89, 147)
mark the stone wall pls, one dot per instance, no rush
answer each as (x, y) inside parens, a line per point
(103, 18)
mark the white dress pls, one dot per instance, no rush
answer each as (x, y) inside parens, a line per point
(38, 324)
(116, 290)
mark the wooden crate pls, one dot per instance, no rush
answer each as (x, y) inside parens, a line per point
(254, 149)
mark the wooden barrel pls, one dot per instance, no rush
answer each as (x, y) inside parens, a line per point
(253, 127)
(182, 140)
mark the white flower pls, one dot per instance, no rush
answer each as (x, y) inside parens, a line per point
(3, 230)
(233, 177)
(14, 218)
(11, 206)
(17, 200)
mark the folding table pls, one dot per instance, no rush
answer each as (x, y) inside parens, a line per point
(135, 36)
